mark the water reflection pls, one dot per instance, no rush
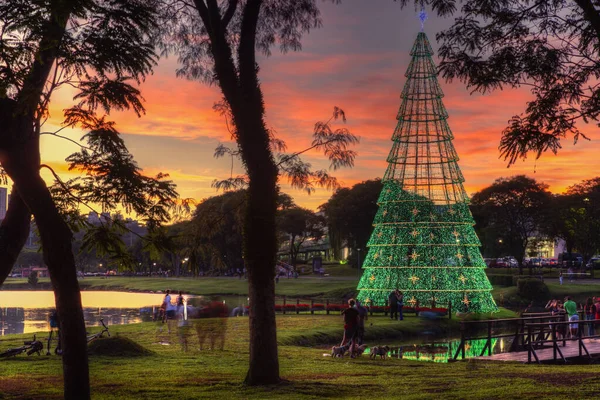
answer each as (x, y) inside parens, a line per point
(442, 352)
(26, 312)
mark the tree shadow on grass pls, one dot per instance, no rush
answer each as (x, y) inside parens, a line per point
(312, 389)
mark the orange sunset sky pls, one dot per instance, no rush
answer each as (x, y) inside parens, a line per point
(356, 61)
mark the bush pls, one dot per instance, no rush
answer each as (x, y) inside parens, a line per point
(117, 347)
(532, 289)
(501, 280)
(32, 279)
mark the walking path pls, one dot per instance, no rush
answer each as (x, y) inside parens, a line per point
(570, 350)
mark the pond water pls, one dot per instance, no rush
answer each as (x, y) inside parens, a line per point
(28, 311)
(444, 351)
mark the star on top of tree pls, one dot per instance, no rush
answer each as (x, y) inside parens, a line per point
(414, 233)
(414, 255)
(423, 18)
(412, 301)
(414, 279)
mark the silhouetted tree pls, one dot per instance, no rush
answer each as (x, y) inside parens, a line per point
(551, 46)
(101, 49)
(217, 42)
(350, 213)
(516, 207)
(575, 217)
(296, 225)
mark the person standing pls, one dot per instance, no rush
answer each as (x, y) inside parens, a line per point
(400, 305)
(165, 305)
(571, 310)
(590, 314)
(180, 301)
(351, 318)
(597, 316)
(393, 303)
(560, 277)
(363, 315)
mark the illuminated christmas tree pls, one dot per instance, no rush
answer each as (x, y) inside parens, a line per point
(423, 242)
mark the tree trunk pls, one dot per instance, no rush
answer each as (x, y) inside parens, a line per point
(22, 166)
(241, 89)
(260, 245)
(14, 231)
(293, 251)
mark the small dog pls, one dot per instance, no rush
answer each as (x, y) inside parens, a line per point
(379, 351)
(358, 350)
(338, 351)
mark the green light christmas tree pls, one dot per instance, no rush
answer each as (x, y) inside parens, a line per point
(423, 242)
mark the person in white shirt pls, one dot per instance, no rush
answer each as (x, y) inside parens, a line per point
(168, 306)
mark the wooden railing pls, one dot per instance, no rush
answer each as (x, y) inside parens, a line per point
(516, 325)
(543, 334)
(302, 306)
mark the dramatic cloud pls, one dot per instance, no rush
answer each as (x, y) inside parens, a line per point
(356, 61)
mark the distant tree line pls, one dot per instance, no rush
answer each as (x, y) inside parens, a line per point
(510, 214)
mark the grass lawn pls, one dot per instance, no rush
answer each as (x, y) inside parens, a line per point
(168, 372)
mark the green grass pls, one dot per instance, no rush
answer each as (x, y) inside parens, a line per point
(170, 373)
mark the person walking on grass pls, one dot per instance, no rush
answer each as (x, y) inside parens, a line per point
(393, 303)
(351, 321)
(363, 315)
(573, 317)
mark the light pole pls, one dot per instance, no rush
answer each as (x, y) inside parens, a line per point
(358, 265)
